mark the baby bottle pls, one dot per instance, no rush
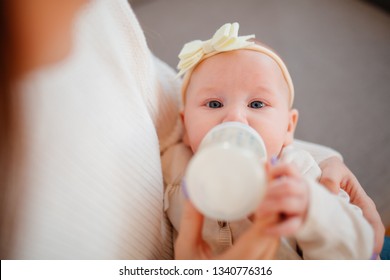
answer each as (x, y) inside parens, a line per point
(225, 179)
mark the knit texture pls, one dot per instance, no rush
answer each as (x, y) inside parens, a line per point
(93, 185)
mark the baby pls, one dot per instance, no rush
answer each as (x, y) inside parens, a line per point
(232, 78)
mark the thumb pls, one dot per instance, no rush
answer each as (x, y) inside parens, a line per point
(191, 221)
(254, 243)
(331, 179)
(189, 243)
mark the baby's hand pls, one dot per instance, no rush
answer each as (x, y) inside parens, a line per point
(287, 196)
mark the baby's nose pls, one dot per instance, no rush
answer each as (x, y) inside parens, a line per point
(236, 115)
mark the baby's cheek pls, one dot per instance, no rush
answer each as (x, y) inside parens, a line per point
(195, 138)
(273, 147)
(197, 130)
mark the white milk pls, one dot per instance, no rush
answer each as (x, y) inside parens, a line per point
(225, 179)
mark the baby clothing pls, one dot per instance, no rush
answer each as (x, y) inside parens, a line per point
(333, 228)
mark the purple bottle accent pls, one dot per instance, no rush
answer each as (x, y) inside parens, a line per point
(374, 256)
(184, 188)
(274, 160)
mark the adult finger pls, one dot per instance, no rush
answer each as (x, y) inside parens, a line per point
(285, 186)
(284, 206)
(332, 175)
(280, 170)
(287, 227)
(371, 214)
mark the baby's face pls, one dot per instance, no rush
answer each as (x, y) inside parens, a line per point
(242, 86)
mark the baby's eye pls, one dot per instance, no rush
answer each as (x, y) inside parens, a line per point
(256, 104)
(214, 104)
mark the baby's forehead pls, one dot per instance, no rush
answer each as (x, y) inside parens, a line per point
(246, 65)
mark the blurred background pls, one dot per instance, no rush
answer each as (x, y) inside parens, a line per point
(338, 54)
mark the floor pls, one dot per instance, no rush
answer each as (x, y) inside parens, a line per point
(338, 53)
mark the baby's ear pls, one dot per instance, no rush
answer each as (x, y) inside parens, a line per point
(292, 124)
(185, 134)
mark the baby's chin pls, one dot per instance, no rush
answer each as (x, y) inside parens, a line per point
(194, 148)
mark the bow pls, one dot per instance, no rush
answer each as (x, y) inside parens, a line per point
(225, 39)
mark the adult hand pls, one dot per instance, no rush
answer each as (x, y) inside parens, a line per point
(253, 244)
(336, 175)
(287, 197)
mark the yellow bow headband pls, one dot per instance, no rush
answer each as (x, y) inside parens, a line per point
(225, 39)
